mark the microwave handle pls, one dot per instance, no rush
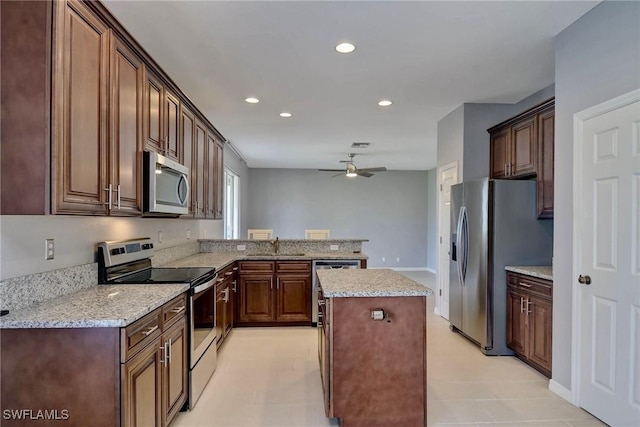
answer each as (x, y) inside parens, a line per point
(183, 178)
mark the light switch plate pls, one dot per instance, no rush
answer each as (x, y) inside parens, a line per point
(334, 247)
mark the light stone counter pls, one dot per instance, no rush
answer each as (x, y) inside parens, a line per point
(369, 283)
(539, 271)
(221, 260)
(101, 306)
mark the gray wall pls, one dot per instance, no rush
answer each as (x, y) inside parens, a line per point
(22, 245)
(597, 58)
(432, 219)
(451, 139)
(389, 209)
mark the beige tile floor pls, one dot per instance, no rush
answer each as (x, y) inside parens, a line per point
(270, 377)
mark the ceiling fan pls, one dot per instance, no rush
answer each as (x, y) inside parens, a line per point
(352, 171)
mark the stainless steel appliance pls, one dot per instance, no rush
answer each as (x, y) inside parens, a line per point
(326, 263)
(166, 186)
(493, 224)
(128, 262)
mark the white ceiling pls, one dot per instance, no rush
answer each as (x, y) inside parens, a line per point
(427, 57)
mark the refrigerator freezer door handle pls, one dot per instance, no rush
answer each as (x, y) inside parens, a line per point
(465, 232)
(460, 249)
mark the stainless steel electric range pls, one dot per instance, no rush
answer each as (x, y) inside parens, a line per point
(129, 262)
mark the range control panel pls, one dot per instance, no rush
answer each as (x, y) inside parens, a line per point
(119, 252)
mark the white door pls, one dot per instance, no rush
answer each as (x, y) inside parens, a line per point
(447, 175)
(608, 253)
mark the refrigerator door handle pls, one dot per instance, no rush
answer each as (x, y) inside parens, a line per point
(465, 235)
(459, 241)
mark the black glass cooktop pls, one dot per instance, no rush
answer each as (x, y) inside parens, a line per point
(194, 275)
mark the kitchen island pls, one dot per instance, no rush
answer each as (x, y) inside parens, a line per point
(372, 347)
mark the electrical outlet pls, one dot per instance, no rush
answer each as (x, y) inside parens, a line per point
(384, 259)
(188, 234)
(241, 247)
(159, 236)
(49, 249)
(334, 247)
(398, 259)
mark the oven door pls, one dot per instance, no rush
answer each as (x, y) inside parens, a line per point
(202, 303)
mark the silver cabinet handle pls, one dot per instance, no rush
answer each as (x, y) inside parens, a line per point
(226, 295)
(163, 359)
(178, 309)
(525, 285)
(322, 302)
(118, 198)
(521, 305)
(234, 285)
(228, 273)
(529, 307)
(108, 190)
(150, 331)
(169, 351)
(235, 268)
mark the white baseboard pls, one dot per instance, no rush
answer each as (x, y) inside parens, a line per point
(431, 270)
(561, 391)
(436, 311)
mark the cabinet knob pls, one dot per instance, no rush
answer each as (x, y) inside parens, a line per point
(585, 280)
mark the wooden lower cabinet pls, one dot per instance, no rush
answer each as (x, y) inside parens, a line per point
(274, 292)
(529, 320)
(174, 378)
(142, 387)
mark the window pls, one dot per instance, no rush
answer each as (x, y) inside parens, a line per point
(231, 199)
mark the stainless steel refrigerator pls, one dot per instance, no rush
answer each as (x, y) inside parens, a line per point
(493, 224)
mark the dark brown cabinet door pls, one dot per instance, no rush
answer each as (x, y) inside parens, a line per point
(539, 317)
(199, 169)
(125, 142)
(293, 298)
(153, 113)
(171, 126)
(187, 142)
(256, 298)
(516, 321)
(228, 318)
(211, 181)
(523, 148)
(80, 123)
(546, 129)
(219, 181)
(175, 372)
(142, 388)
(499, 147)
(220, 312)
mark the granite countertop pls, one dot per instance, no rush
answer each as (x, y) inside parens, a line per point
(101, 306)
(540, 271)
(219, 260)
(369, 283)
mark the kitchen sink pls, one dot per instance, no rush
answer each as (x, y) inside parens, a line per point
(259, 254)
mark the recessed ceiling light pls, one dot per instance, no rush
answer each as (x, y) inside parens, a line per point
(385, 103)
(345, 47)
(285, 114)
(252, 100)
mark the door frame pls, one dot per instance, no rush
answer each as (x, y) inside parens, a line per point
(439, 287)
(578, 133)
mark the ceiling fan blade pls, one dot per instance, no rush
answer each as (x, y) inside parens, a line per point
(380, 169)
(331, 170)
(338, 174)
(364, 173)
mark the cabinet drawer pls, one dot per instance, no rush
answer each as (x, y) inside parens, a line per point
(256, 267)
(174, 309)
(530, 284)
(293, 266)
(137, 335)
(228, 271)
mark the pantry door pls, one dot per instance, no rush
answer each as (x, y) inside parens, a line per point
(607, 259)
(447, 176)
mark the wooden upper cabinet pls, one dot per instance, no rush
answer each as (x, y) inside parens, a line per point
(125, 142)
(199, 170)
(523, 148)
(187, 141)
(171, 126)
(219, 181)
(80, 120)
(546, 132)
(153, 113)
(500, 153)
(211, 180)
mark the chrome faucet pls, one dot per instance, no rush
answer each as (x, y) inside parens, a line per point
(276, 245)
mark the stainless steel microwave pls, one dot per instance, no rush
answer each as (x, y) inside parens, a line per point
(166, 186)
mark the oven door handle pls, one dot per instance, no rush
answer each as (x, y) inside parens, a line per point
(203, 287)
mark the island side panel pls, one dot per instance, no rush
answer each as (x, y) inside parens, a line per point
(379, 367)
(76, 370)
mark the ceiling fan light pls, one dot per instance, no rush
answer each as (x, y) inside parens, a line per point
(351, 174)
